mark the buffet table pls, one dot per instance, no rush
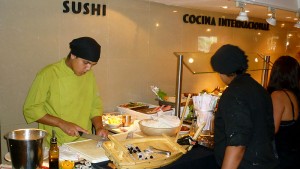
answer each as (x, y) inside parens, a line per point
(198, 158)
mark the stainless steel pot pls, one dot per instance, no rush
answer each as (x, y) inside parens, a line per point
(26, 148)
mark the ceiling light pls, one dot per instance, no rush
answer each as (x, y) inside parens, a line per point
(297, 25)
(272, 19)
(242, 15)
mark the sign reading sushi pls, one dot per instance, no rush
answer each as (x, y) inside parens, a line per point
(84, 8)
(208, 20)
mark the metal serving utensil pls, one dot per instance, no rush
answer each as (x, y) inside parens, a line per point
(152, 149)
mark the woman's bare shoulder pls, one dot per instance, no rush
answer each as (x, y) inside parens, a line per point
(278, 93)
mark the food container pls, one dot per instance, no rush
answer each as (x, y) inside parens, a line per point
(134, 110)
(26, 147)
(112, 121)
(126, 120)
(153, 131)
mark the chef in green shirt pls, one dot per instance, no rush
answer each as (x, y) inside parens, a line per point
(64, 95)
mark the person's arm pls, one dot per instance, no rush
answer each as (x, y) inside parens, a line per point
(233, 156)
(69, 128)
(278, 108)
(100, 130)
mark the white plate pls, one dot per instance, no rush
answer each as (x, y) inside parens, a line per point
(46, 151)
(184, 132)
(113, 126)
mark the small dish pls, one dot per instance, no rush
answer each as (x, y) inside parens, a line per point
(185, 129)
(67, 164)
(113, 126)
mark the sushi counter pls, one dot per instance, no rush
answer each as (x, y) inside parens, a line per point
(140, 136)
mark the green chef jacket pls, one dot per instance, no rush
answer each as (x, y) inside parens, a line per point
(57, 91)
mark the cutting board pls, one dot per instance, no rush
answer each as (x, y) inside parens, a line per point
(88, 150)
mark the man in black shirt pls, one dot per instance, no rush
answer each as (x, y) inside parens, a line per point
(244, 125)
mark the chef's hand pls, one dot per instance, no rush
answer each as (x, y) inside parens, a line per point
(72, 129)
(101, 131)
(69, 128)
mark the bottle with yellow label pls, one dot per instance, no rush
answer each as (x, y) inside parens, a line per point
(53, 152)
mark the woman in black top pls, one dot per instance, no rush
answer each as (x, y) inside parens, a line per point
(284, 89)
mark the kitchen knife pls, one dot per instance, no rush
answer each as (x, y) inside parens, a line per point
(92, 136)
(100, 139)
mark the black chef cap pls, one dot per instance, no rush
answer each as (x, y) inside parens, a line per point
(229, 59)
(86, 48)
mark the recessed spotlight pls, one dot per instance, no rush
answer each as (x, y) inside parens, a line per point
(224, 7)
(175, 11)
(297, 25)
(191, 60)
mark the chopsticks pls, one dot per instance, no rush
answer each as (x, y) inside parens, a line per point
(182, 115)
(197, 134)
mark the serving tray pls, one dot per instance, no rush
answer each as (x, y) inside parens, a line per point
(117, 151)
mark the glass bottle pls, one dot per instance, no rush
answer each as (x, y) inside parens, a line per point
(53, 152)
(193, 128)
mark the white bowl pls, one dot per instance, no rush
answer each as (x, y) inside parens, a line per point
(153, 131)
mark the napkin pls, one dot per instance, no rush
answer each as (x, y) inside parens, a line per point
(204, 105)
(205, 102)
(207, 117)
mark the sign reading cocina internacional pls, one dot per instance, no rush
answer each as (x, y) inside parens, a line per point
(84, 8)
(207, 20)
